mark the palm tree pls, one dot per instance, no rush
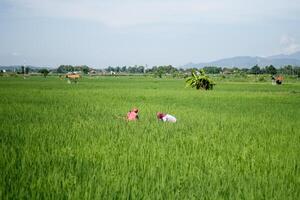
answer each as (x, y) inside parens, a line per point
(200, 80)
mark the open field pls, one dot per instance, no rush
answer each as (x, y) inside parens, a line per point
(58, 140)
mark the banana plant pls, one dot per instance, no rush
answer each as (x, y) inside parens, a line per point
(199, 80)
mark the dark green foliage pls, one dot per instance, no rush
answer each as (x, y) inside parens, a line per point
(271, 70)
(65, 68)
(212, 70)
(261, 79)
(45, 72)
(23, 70)
(200, 80)
(297, 71)
(255, 70)
(85, 70)
(69, 68)
(27, 70)
(130, 69)
(158, 74)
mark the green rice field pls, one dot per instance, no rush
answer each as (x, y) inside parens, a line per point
(68, 141)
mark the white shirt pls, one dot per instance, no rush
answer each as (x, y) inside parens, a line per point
(169, 118)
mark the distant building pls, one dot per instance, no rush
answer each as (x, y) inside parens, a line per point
(92, 71)
(227, 71)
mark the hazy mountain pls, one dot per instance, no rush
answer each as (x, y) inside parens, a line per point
(285, 56)
(248, 61)
(12, 67)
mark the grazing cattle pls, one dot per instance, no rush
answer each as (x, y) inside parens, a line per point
(279, 80)
(73, 77)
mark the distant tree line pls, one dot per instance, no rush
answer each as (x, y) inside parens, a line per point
(169, 69)
(288, 70)
(24, 70)
(69, 68)
(159, 71)
(126, 69)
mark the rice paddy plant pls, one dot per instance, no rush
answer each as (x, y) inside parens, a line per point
(64, 141)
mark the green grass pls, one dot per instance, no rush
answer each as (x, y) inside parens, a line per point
(63, 141)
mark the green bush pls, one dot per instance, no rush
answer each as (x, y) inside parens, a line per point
(200, 80)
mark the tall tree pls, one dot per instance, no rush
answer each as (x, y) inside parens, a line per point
(271, 70)
(27, 69)
(23, 70)
(255, 70)
(45, 72)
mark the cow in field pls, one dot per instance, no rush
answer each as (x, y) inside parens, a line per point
(277, 80)
(73, 77)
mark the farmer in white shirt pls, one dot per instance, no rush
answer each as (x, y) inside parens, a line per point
(166, 117)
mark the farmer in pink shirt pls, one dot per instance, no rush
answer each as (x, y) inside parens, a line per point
(166, 117)
(133, 115)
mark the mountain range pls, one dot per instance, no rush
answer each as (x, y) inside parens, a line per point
(279, 60)
(249, 61)
(12, 67)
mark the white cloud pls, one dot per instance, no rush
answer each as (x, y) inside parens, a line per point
(289, 44)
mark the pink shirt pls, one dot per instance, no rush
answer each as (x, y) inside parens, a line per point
(131, 116)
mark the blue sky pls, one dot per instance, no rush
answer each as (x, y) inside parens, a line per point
(102, 33)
